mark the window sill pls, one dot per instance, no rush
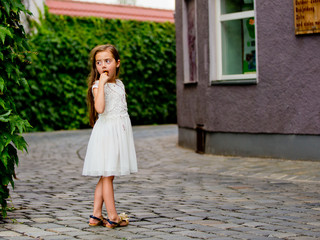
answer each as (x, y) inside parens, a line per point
(235, 82)
(190, 83)
(236, 79)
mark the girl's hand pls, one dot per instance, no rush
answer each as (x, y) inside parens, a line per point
(104, 78)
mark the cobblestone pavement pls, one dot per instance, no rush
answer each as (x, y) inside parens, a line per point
(177, 194)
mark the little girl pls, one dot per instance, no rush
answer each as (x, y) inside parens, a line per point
(110, 150)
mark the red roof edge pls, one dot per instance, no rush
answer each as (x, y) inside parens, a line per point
(86, 9)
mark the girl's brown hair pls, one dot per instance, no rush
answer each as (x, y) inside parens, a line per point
(94, 75)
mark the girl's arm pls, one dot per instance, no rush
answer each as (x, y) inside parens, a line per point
(99, 99)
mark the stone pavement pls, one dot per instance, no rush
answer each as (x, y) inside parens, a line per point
(177, 194)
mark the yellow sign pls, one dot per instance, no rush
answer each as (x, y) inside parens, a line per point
(306, 16)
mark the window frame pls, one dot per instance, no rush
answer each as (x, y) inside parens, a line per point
(215, 42)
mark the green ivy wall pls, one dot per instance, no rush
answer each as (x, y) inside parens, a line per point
(13, 50)
(57, 74)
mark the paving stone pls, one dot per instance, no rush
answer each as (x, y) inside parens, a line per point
(222, 238)
(189, 218)
(96, 237)
(303, 238)
(58, 237)
(282, 235)
(175, 237)
(150, 233)
(18, 238)
(47, 225)
(9, 234)
(153, 238)
(196, 234)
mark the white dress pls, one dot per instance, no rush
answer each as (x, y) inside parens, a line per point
(111, 150)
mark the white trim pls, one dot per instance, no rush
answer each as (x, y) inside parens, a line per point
(213, 54)
(218, 36)
(238, 76)
(256, 39)
(236, 16)
(196, 33)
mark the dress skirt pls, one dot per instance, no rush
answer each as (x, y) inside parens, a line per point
(111, 150)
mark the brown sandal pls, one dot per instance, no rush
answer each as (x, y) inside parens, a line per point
(100, 223)
(124, 221)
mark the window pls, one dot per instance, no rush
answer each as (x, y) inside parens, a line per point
(189, 32)
(232, 41)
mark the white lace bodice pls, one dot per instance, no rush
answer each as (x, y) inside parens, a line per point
(115, 99)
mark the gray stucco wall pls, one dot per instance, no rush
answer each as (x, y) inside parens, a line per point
(286, 100)
(191, 98)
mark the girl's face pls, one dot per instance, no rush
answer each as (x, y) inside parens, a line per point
(105, 62)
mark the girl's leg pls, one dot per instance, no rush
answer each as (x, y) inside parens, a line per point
(108, 197)
(98, 202)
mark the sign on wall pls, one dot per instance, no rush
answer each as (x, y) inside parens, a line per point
(306, 16)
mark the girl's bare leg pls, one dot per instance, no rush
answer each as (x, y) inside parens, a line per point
(98, 202)
(108, 197)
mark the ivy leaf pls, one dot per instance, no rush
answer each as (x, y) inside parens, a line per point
(5, 180)
(4, 32)
(6, 7)
(1, 84)
(16, 6)
(17, 122)
(24, 83)
(4, 117)
(6, 139)
(19, 142)
(14, 157)
(4, 158)
(2, 144)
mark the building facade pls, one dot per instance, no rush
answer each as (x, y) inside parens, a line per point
(248, 82)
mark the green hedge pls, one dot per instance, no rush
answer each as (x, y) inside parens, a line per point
(59, 69)
(13, 50)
